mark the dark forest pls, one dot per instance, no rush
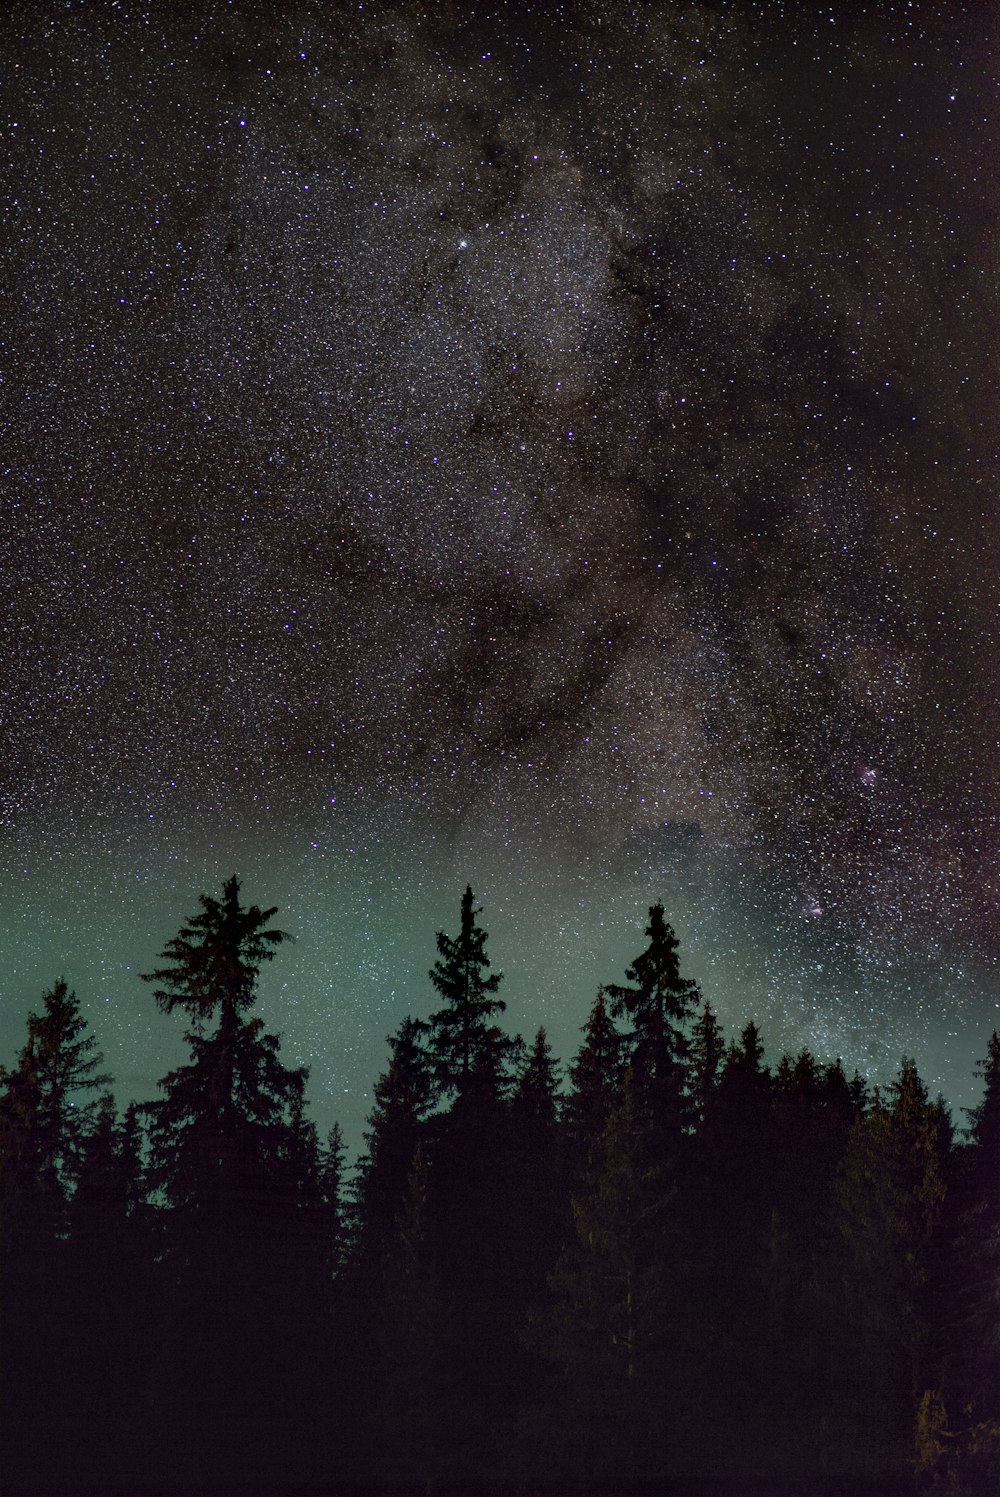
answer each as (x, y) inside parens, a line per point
(670, 1264)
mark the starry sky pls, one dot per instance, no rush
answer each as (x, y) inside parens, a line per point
(547, 447)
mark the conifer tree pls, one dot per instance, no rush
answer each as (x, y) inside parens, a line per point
(540, 1220)
(405, 1389)
(973, 1362)
(386, 1263)
(604, 1318)
(984, 1126)
(462, 1030)
(108, 1190)
(595, 1077)
(233, 1159)
(891, 1193)
(47, 1109)
(404, 1095)
(708, 1049)
(108, 1259)
(807, 1114)
(230, 1119)
(727, 1203)
(659, 1002)
(332, 1191)
(535, 1098)
(213, 962)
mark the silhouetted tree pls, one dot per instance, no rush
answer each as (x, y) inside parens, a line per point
(891, 1194)
(540, 1220)
(595, 1078)
(213, 962)
(708, 1049)
(404, 1095)
(604, 1318)
(968, 1444)
(47, 1110)
(460, 1031)
(659, 1003)
(109, 1271)
(234, 1160)
(797, 1254)
(332, 1189)
(404, 1392)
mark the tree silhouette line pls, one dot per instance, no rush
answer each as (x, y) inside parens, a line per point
(675, 1265)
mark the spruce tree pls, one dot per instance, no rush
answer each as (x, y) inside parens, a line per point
(708, 1049)
(234, 1163)
(225, 1133)
(46, 1104)
(659, 1003)
(535, 1097)
(47, 1111)
(402, 1350)
(603, 1322)
(461, 1030)
(984, 1126)
(595, 1076)
(213, 963)
(404, 1096)
(972, 1384)
(890, 1196)
(110, 1266)
(540, 1220)
(332, 1192)
(471, 1169)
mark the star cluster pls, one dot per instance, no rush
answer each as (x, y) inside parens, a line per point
(546, 447)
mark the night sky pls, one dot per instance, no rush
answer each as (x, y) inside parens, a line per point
(547, 447)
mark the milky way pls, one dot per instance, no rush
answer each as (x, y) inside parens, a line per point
(547, 447)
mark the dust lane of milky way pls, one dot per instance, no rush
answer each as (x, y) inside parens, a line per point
(550, 448)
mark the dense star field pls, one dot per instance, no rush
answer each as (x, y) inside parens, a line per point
(549, 448)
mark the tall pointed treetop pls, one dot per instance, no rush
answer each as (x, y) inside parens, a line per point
(462, 976)
(658, 1000)
(40, 1118)
(538, 1087)
(594, 1075)
(984, 1120)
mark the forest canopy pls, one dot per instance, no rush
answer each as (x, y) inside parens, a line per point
(669, 1259)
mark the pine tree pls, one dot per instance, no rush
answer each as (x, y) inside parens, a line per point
(973, 1298)
(535, 1099)
(595, 1078)
(891, 1193)
(332, 1193)
(44, 1114)
(234, 1162)
(984, 1125)
(404, 1096)
(462, 1030)
(708, 1050)
(659, 1003)
(540, 1220)
(214, 961)
(404, 1392)
(47, 1109)
(603, 1322)
(109, 1263)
